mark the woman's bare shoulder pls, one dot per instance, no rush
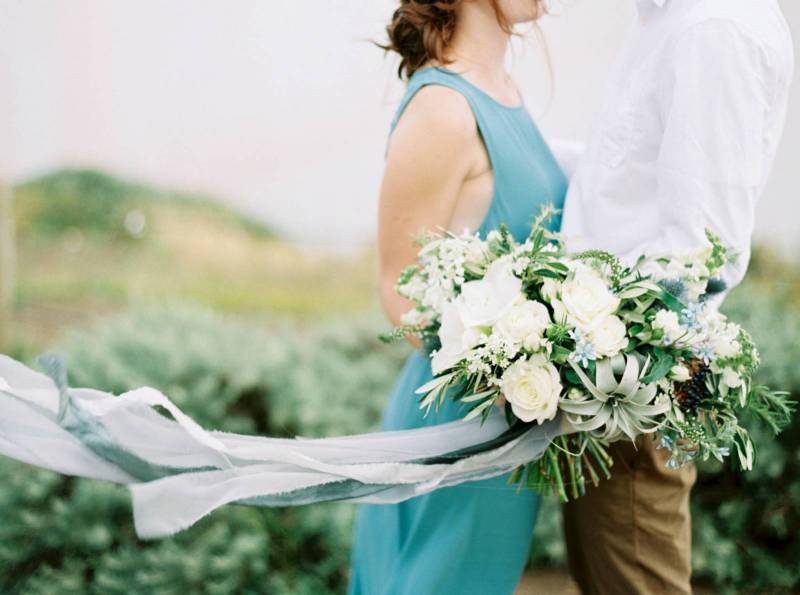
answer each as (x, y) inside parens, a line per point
(440, 114)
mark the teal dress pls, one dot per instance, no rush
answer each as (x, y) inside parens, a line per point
(472, 538)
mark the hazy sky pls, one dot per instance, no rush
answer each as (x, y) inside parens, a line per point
(280, 107)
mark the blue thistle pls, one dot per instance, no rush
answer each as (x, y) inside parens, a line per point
(675, 287)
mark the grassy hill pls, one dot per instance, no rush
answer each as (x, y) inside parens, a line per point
(91, 244)
(101, 204)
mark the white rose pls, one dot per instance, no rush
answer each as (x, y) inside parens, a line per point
(456, 339)
(484, 301)
(586, 299)
(609, 336)
(524, 325)
(679, 373)
(731, 378)
(533, 387)
(667, 321)
(726, 340)
(550, 289)
(726, 347)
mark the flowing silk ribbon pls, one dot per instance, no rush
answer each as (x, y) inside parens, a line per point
(178, 472)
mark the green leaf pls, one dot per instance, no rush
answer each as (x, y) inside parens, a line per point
(660, 368)
(547, 273)
(559, 354)
(671, 302)
(635, 329)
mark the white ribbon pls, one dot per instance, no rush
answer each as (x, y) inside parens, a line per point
(123, 439)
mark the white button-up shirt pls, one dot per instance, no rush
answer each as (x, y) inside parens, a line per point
(687, 132)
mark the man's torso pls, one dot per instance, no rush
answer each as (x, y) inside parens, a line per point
(613, 201)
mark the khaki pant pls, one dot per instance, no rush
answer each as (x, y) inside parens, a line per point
(632, 533)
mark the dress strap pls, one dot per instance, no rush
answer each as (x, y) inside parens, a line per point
(479, 103)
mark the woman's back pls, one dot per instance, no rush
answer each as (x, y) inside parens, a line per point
(525, 173)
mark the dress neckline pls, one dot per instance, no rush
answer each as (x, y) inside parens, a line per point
(494, 100)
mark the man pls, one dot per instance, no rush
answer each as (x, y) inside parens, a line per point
(685, 140)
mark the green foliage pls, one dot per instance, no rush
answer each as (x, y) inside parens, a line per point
(66, 535)
(772, 407)
(746, 524)
(660, 367)
(612, 262)
(397, 334)
(503, 242)
(719, 253)
(565, 467)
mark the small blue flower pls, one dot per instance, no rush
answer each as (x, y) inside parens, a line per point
(723, 451)
(674, 463)
(577, 335)
(666, 443)
(706, 353)
(584, 351)
(690, 315)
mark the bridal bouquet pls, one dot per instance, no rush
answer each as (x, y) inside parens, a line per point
(614, 351)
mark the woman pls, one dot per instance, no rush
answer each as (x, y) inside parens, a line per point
(463, 153)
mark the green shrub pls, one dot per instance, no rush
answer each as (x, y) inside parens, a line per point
(70, 535)
(66, 535)
(745, 525)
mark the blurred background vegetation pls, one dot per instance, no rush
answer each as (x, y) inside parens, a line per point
(250, 333)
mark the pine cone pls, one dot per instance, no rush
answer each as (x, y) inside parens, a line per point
(693, 392)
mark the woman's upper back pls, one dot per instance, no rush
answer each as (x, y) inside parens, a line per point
(526, 175)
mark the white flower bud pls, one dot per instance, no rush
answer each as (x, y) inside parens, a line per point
(679, 373)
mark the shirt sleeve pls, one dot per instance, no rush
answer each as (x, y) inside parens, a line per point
(567, 154)
(711, 164)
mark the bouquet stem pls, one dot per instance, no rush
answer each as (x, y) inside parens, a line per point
(568, 458)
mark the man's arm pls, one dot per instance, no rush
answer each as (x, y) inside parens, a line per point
(711, 165)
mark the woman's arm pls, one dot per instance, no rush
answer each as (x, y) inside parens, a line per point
(431, 154)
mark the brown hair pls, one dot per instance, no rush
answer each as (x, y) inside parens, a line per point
(422, 30)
